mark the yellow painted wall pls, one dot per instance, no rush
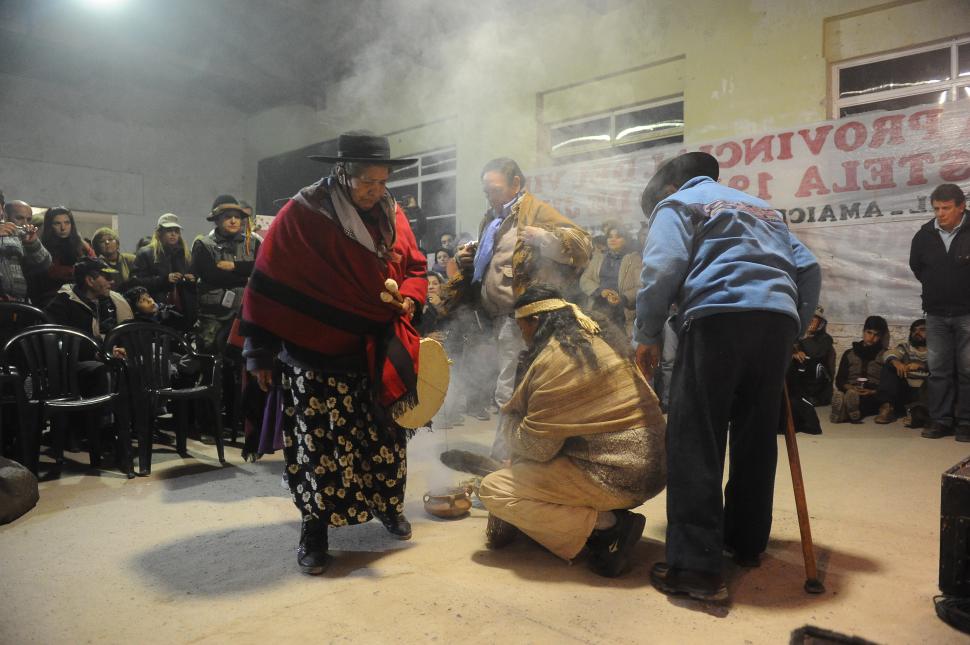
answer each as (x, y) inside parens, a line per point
(743, 66)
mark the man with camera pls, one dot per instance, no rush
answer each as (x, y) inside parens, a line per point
(21, 253)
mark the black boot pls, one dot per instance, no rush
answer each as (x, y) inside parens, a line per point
(610, 548)
(396, 524)
(312, 554)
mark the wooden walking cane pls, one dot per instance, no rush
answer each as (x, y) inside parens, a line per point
(812, 583)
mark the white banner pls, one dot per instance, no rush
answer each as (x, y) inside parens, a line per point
(853, 190)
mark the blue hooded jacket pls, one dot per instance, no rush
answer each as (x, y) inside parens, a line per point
(713, 249)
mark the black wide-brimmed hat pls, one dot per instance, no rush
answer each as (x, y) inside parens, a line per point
(700, 164)
(222, 204)
(363, 148)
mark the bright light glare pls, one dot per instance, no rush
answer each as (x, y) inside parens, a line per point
(103, 4)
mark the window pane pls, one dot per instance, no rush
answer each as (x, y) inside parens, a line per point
(401, 193)
(616, 150)
(895, 74)
(648, 122)
(437, 227)
(438, 162)
(963, 92)
(896, 104)
(438, 196)
(404, 172)
(579, 135)
(963, 60)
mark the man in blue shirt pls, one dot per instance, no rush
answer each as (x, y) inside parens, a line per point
(744, 287)
(940, 259)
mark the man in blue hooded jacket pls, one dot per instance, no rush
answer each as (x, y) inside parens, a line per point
(745, 287)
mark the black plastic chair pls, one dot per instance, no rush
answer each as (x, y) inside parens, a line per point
(14, 318)
(44, 360)
(150, 348)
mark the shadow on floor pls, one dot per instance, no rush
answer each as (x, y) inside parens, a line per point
(214, 482)
(252, 558)
(779, 581)
(530, 561)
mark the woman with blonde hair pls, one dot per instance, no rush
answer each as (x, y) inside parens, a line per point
(165, 261)
(108, 247)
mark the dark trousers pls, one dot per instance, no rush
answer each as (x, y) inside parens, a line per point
(895, 390)
(729, 372)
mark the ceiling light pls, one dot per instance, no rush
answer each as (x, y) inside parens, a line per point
(103, 4)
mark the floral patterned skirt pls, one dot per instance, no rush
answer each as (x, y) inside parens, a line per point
(341, 466)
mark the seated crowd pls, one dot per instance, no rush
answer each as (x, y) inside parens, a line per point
(195, 290)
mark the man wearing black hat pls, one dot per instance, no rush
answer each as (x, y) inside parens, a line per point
(744, 287)
(89, 304)
(222, 261)
(337, 281)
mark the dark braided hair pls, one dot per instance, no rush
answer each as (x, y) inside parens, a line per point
(560, 324)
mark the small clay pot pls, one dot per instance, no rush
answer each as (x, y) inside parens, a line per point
(448, 502)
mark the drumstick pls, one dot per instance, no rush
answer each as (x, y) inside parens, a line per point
(391, 294)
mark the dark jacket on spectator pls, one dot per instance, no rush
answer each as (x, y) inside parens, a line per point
(68, 308)
(209, 249)
(943, 274)
(153, 274)
(860, 361)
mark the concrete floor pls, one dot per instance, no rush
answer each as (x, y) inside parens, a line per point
(203, 554)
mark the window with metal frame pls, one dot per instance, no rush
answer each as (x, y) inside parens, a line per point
(431, 182)
(919, 76)
(618, 131)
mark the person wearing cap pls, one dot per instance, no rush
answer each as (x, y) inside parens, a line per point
(812, 370)
(744, 286)
(165, 260)
(223, 260)
(860, 369)
(587, 439)
(88, 304)
(320, 302)
(107, 246)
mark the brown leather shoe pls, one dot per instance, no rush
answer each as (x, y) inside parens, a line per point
(699, 585)
(886, 414)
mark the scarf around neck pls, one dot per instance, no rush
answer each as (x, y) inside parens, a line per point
(318, 275)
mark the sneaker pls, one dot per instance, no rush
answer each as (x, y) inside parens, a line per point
(886, 414)
(838, 408)
(963, 432)
(481, 415)
(311, 555)
(699, 585)
(610, 548)
(935, 430)
(499, 533)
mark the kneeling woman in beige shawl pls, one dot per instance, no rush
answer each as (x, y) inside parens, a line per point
(587, 440)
